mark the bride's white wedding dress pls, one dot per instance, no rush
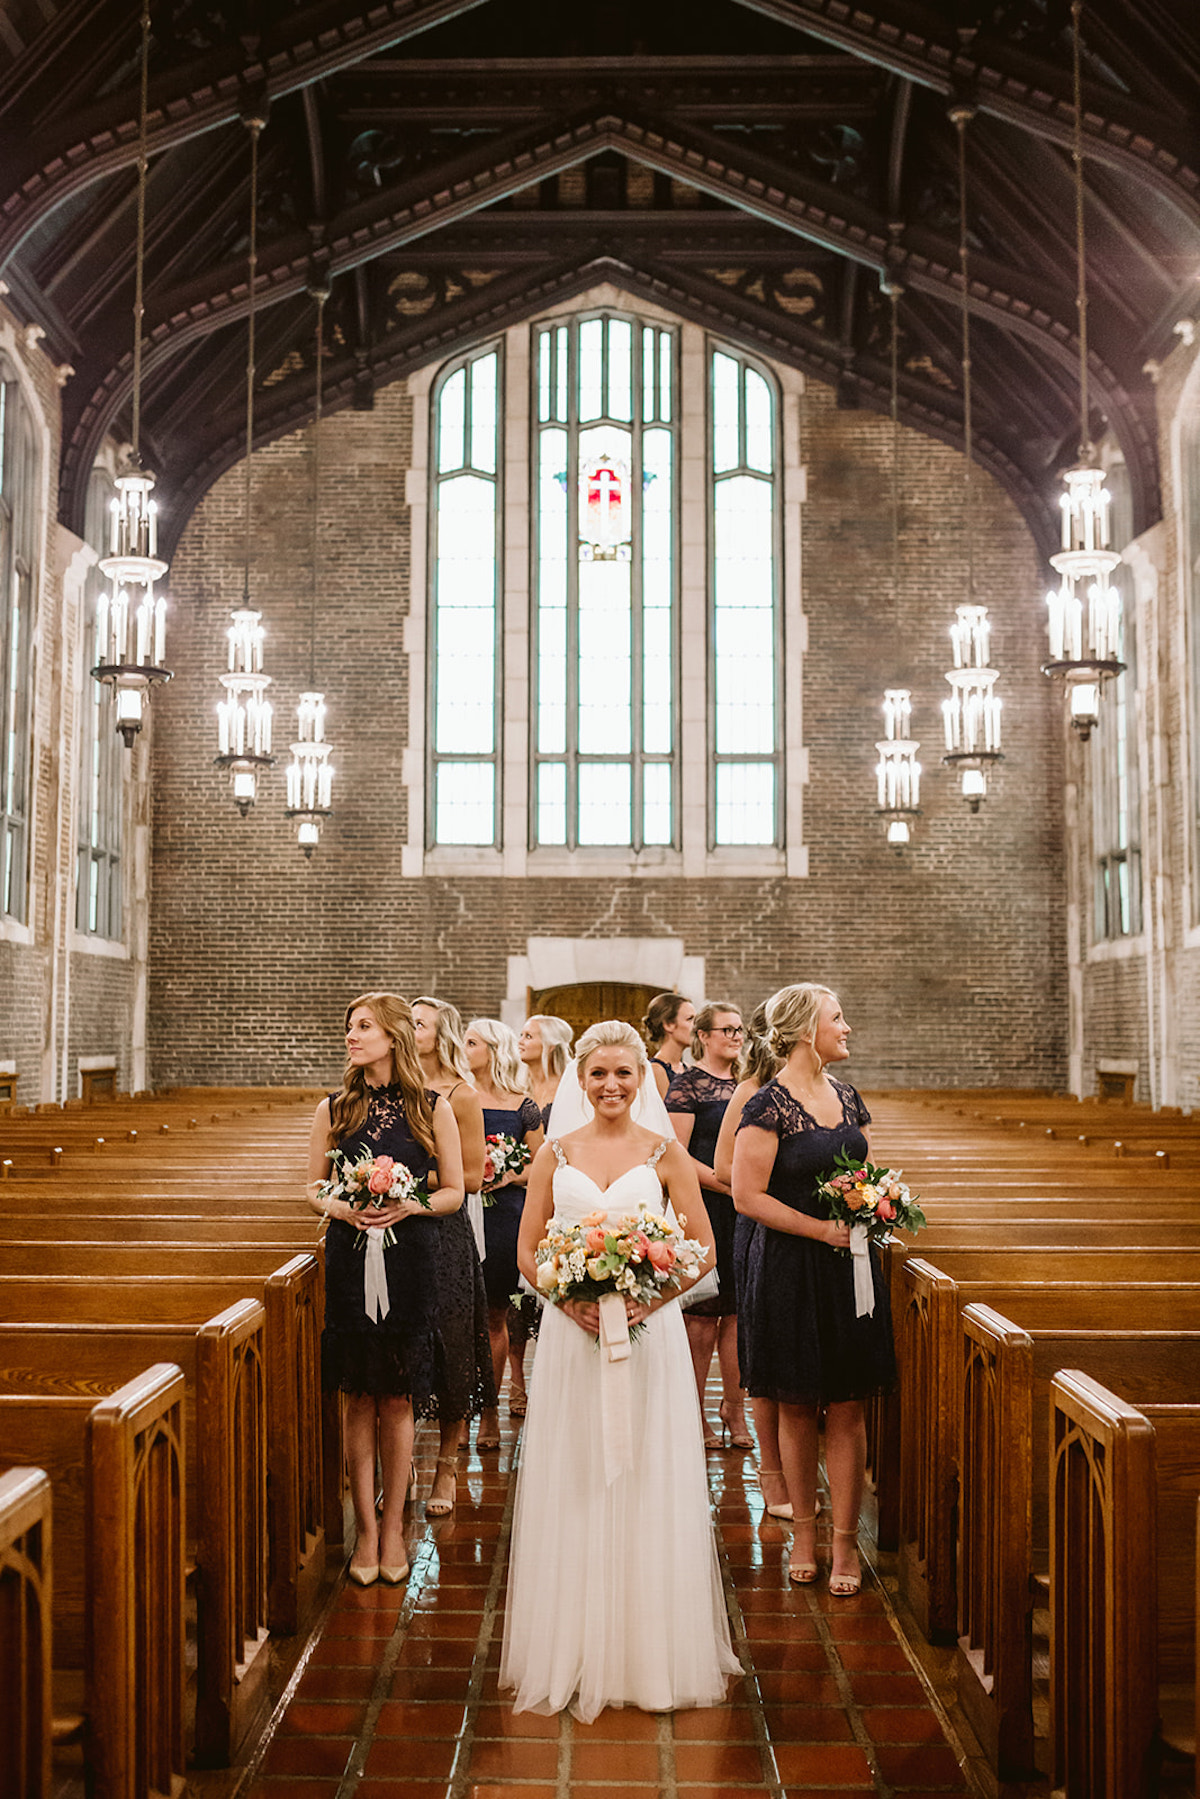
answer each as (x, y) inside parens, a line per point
(614, 1591)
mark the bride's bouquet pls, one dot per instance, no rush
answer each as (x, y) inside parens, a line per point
(504, 1155)
(633, 1259)
(875, 1198)
(375, 1181)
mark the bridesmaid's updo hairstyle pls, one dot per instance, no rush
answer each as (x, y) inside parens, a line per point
(348, 1109)
(556, 1036)
(448, 1039)
(792, 1016)
(610, 1033)
(704, 1020)
(758, 1060)
(506, 1069)
(662, 1011)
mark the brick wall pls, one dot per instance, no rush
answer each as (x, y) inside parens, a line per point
(949, 958)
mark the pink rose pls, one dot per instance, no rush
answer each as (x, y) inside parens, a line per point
(594, 1242)
(381, 1179)
(662, 1257)
(885, 1209)
(489, 1170)
(641, 1246)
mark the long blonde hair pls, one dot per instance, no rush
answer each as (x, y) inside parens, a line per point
(556, 1036)
(348, 1109)
(448, 1042)
(506, 1071)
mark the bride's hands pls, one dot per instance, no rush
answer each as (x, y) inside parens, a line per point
(636, 1311)
(585, 1313)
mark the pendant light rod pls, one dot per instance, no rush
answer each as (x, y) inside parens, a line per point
(961, 116)
(255, 126)
(1081, 303)
(320, 295)
(139, 279)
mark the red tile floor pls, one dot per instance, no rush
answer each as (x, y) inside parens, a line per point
(397, 1696)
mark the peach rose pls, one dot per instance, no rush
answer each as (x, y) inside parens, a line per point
(382, 1175)
(593, 1242)
(662, 1257)
(885, 1209)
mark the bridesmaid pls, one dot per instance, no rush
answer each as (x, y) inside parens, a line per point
(667, 1028)
(466, 1384)
(385, 1366)
(544, 1047)
(508, 1111)
(757, 1065)
(696, 1100)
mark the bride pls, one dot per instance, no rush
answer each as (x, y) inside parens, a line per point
(614, 1593)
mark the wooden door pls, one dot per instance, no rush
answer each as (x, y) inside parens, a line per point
(584, 1003)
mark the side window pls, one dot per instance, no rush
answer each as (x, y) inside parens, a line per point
(18, 540)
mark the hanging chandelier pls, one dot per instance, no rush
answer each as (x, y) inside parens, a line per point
(309, 776)
(244, 716)
(898, 773)
(130, 616)
(1085, 610)
(972, 713)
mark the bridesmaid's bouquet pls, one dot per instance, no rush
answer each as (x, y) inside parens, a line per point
(505, 1155)
(633, 1259)
(876, 1198)
(374, 1181)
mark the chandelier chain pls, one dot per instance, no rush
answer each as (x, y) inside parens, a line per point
(255, 127)
(894, 298)
(139, 277)
(960, 116)
(321, 297)
(1081, 305)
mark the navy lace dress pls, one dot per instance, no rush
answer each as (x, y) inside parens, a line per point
(400, 1353)
(502, 1213)
(464, 1385)
(706, 1097)
(799, 1339)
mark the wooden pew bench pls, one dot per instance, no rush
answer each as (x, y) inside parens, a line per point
(224, 1366)
(25, 1633)
(116, 1573)
(1003, 1497)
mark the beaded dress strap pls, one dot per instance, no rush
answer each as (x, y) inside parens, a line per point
(557, 1147)
(659, 1153)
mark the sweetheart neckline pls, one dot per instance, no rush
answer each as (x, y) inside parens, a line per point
(620, 1177)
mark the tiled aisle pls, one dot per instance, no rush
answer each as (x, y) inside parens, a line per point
(398, 1697)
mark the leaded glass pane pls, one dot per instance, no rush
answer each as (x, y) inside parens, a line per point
(466, 802)
(591, 369)
(483, 414)
(605, 660)
(544, 391)
(760, 433)
(604, 803)
(664, 375)
(563, 372)
(552, 803)
(553, 520)
(452, 421)
(656, 803)
(745, 803)
(620, 369)
(726, 385)
(649, 362)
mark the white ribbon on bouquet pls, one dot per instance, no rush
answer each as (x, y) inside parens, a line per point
(864, 1286)
(615, 1387)
(375, 1288)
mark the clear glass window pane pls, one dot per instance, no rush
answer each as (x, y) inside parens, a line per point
(745, 803)
(545, 341)
(562, 372)
(552, 803)
(649, 365)
(483, 413)
(620, 369)
(760, 434)
(465, 683)
(726, 380)
(604, 803)
(656, 803)
(605, 660)
(466, 803)
(665, 348)
(452, 422)
(591, 369)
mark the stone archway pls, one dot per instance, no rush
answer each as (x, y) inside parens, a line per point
(649, 964)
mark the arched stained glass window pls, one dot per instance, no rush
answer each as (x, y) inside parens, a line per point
(604, 589)
(464, 695)
(18, 541)
(98, 831)
(746, 705)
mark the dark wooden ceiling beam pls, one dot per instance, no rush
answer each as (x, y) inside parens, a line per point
(44, 167)
(1002, 80)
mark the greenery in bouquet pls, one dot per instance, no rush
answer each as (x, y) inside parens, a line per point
(861, 1193)
(636, 1257)
(376, 1182)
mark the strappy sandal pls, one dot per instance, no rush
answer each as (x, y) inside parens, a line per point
(740, 1439)
(845, 1586)
(518, 1405)
(803, 1574)
(436, 1506)
(784, 1508)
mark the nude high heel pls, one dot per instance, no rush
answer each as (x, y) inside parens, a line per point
(803, 1574)
(437, 1507)
(365, 1576)
(844, 1586)
(784, 1508)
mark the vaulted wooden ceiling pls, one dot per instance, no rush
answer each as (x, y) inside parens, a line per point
(452, 166)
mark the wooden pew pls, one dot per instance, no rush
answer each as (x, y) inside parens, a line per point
(1003, 1500)
(1103, 1593)
(25, 1633)
(224, 1365)
(116, 1473)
